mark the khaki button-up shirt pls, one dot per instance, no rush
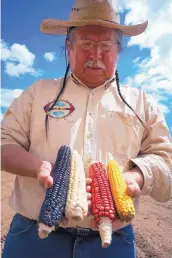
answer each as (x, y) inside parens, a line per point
(97, 124)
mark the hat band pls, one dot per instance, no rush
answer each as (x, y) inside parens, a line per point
(95, 12)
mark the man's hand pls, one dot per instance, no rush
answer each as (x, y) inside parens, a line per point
(134, 181)
(88, 189)
(44, 174)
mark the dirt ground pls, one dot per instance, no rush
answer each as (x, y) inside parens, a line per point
(153, 223)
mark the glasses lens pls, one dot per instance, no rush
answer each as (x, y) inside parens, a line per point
(105, 45)
(86, 44)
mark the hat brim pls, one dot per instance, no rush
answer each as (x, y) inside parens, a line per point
(59, 27)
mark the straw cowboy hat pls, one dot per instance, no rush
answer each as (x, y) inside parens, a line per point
(92, 12)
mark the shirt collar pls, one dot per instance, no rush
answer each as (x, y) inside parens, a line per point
(77, 81)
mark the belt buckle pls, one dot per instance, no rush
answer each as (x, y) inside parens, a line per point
(82, 231)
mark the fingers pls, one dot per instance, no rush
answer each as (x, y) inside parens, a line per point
(88, 184)
(45, 180)
(88, 196)
(88, 181)
(133, 190)
(89, 205)
(43, 175)
(88, 188)
(117, 223)
(64, 221)
(48, 182)
(93, 224)
(46, 166)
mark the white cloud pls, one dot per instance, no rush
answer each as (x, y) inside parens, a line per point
(13, 69)
(18, 60)
(154, 72)
(156, 99)
(8, 95)
(50, 56)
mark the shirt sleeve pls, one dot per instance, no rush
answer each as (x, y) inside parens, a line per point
(15, 126)
(155, 156)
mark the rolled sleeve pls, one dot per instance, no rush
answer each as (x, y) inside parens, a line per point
(157, 177)
(15, 127)
(155, 156)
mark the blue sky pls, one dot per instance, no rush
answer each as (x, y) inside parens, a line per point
(28, 55)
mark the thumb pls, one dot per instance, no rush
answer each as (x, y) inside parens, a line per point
(133, 189)
(93, 224)
(64, 221)
(43, 174)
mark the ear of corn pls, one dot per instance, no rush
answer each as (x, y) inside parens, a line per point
(76, 205)
(54, 204)
(123, 202)
(102, 202)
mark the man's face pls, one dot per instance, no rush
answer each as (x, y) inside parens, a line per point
(93, 66)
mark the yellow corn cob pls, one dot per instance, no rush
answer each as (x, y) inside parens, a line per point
(123, 202)
(76, 205)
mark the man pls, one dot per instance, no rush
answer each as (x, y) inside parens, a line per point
(90, 112)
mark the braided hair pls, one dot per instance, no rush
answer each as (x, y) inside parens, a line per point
(122, 98)
(69, 32)
(58, 96)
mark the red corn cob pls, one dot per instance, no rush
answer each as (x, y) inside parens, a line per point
(102, 202)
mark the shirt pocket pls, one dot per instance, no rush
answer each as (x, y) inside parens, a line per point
(121, 134)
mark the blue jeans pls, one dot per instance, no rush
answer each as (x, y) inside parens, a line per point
(22, 241)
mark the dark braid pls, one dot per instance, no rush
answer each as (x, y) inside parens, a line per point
(119, 92)
(58, 96)
(69, 31)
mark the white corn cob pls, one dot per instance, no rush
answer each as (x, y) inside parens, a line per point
(76, 205)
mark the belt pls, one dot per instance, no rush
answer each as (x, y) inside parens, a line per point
(79, 231)
(83, 232)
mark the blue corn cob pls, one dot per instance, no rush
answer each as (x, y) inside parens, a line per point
(54, 204)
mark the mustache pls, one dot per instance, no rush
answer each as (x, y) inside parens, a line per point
(95, 64)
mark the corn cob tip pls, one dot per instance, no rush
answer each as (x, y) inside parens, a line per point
(92, 162)
(76, 213)
(105, 230)
(44, 231)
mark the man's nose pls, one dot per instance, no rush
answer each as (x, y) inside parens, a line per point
(96, 52)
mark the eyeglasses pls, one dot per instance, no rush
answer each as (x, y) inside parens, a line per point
(87, 44)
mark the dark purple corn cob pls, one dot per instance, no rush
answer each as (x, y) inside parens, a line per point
(55, 200)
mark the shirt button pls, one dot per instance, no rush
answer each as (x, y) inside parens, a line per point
(88, 160)
(90, 135)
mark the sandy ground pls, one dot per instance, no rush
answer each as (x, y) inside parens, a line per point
(153, 223)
